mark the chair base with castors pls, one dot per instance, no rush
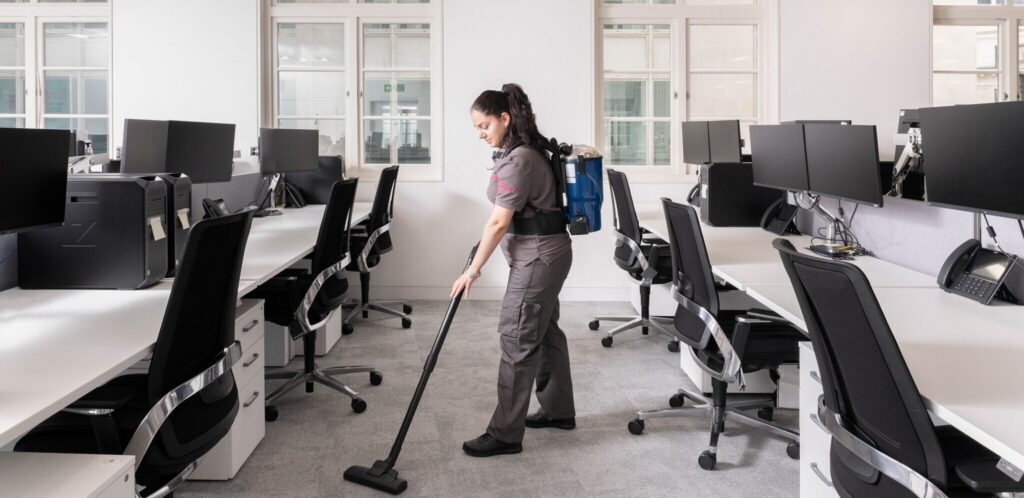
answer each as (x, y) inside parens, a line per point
(313, 374)
(631, 322)
(355, 310)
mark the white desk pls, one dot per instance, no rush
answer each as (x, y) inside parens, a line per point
(57, 345)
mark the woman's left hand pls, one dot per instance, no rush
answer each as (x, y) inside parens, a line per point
(462, 284)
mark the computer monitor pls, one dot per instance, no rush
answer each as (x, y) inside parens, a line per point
(726, 145)
(144, 146)
(819, 121)
(33, 178)
(842, 162)
(779, 157)
(203, 151)
(696, 142)
(974, 157)
(288, 150)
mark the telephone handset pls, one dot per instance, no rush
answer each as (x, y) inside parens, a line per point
(293, 196)
(977, 273)
(693, 198)
(778, 218)
(215, 208)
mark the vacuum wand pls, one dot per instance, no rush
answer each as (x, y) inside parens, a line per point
(382, 475)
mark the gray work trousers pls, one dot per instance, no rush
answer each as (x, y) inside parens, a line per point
(532, 348)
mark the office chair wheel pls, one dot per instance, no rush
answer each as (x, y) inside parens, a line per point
(673, 346)
(376, 378)
(347, 328)
(406, 323)
(594, 324)
(636, 427)
(707, 460)
(270, 413)
(766, 414)
(676, 401)
(358, 405)
(606, 342)
(406, 309)
(793, 450)
(366, 314)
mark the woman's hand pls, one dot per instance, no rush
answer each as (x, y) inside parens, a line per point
(463, 283)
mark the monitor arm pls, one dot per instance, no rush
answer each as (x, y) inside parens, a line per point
(909, 158)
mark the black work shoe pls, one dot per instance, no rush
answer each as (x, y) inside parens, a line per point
(537, 421)
(486, 445)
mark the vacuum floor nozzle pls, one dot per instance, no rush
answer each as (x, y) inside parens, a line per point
(388, 482)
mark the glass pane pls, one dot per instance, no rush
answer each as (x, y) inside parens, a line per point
(637, 46)
(662, 143)
(625, 98)
(12, 92)
(396, 45)
(950, 89)
(393, 1)
(12, 44)
(95, 129)
(396, 94)
(12, 122)
(723, 47)
(731, 96)
(76, 44)
(75, 92)
(634, 2)
(332, 133)
(318, 93)
(413, 95)
(721, 2)
(625, 143)
(310, 45)
(310, 1)
(965, 48)
(413, 141)
(662, 99)
(376, 141)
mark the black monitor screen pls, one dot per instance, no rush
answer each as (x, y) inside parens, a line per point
(819, 121)
(203, 151)
(842, 161)
(974, 156)
(696, 145)
(33, 178)
(779, 158)
(285, 150)
(724, 137)
(144, 148)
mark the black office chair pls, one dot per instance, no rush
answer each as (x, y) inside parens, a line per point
(370, 239)
(304, 302)
(642, 255)
(157, 416)
(883, 441)
(725, 343)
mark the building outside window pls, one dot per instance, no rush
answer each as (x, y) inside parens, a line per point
(977, 53)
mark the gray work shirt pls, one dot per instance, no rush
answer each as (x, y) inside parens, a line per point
(523, 182)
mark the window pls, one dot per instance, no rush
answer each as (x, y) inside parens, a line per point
(365, 77)
(55, 67)
(976, 51)
(652, 52)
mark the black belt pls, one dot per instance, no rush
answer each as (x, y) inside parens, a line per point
(542, 223)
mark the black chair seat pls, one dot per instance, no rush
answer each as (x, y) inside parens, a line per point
(283, 293)
(661, 255)
(768, 346)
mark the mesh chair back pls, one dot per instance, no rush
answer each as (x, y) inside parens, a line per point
(332, 245)
(626, 220)
(864, 376)
(383, 208)
(691, 271)
(198, 324)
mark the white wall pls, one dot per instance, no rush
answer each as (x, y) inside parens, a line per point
(190, 60)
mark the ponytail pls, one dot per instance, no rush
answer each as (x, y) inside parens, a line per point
(522, 126)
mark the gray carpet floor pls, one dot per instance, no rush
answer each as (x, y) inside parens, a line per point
(318, 436)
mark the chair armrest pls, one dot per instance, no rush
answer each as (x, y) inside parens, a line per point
(302, 313)
(753, 316)
(101, 401)
(732, 367)
(984, 477)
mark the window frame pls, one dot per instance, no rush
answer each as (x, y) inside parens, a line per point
(354, 16)
(1009, 19)
(34, 15)
(764, 15)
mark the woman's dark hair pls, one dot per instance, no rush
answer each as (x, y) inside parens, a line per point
(522, 125)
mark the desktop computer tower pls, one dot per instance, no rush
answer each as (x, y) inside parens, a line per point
(179, 216)
(729, 198)
(114, 237)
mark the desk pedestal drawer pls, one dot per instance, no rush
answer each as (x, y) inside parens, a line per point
(224, 460)
(815, 444)
(249, 322)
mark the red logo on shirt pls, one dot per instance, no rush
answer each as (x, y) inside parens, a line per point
(505, 188)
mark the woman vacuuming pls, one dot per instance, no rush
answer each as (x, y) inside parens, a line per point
(530, 228)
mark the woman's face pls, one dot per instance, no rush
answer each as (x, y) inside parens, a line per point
(491, 129)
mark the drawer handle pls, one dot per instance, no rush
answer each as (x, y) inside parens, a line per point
(247, 404)
(814, 375)
(817, 472)
(255, 356)
(250, 326)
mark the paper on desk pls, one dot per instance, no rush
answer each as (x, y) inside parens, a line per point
(158, 228)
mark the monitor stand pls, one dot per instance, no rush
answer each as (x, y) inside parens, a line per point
(833, 247)
(273, 210)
